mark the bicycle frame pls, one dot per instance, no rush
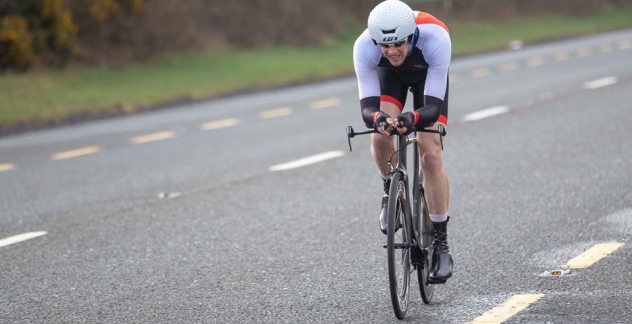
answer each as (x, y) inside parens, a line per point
(399, 197)
(424, 240)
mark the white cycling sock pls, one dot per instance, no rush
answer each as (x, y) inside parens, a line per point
(438, 218)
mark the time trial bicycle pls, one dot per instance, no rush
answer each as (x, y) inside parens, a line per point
(410, 232)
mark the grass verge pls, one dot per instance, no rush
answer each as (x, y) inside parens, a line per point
(52, 96)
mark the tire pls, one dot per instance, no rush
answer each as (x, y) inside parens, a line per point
(398, 242)
(423, 271)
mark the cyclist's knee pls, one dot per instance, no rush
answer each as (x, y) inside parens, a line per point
(431, 161)
(381, 142)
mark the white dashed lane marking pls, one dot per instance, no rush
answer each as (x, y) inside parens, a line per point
(307, 161)
(486, 113)
(599, 83)
(20, 238)
(75, 153)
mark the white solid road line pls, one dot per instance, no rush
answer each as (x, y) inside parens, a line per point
(599, 83)
(486, 113)
(307, 161)
(20, 238)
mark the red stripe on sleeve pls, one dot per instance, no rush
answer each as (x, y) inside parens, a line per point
(443, 119)
(373, 116)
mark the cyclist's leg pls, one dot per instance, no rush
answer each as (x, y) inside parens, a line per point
(391, 102)
(436, 185)
(437, 188)
(437, 194)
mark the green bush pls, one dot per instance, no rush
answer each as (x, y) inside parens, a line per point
(16, 44)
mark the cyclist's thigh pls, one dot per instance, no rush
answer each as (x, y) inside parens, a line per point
(393, 91)
(429, 141)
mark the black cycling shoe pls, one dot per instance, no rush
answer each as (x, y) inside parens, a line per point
(383, 220)
(442, 262)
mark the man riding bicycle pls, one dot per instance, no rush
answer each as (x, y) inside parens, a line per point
(404, 50)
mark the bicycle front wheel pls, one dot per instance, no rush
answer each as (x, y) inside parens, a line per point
(398, 243)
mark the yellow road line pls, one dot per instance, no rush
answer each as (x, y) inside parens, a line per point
(592, 255)
(7, 166)
(536, 61)
(507, 67)
(606, 48)
(453, 78)
(220, 124)
(331, 102)
(479, 73)
(507, 309)
(151, 137)
(276, 112)
(583, 52)
(75, 153)
(562, 56)
(624, 44)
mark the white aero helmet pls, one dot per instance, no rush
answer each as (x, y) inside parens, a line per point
(391, 21)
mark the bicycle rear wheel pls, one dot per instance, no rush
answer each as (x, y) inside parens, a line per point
(398, 243)
(423, 271)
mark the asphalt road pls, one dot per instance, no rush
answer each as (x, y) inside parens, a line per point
(180, 216)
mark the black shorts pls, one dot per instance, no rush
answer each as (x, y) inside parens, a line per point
(395, 86)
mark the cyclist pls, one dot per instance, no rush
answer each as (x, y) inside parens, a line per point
(405, 50)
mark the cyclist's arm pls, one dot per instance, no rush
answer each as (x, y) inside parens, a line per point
(429, 113)
(365, 59)
(369, 107)
(439, 49)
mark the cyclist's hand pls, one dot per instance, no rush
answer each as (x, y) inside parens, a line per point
(406, 122)
(383, 123)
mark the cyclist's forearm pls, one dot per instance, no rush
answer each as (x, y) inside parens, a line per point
(429, 113)
(369, 106)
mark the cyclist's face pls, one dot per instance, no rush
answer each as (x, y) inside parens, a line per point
(395, 53)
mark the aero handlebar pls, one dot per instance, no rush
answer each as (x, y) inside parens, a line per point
(351, 133)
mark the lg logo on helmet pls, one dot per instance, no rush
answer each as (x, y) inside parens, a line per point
(389, 39)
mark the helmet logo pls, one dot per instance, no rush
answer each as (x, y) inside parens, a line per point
(389, 39)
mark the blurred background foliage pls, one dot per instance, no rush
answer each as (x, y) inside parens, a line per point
(54, 33)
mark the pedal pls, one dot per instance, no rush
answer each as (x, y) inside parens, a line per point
(436, 282)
